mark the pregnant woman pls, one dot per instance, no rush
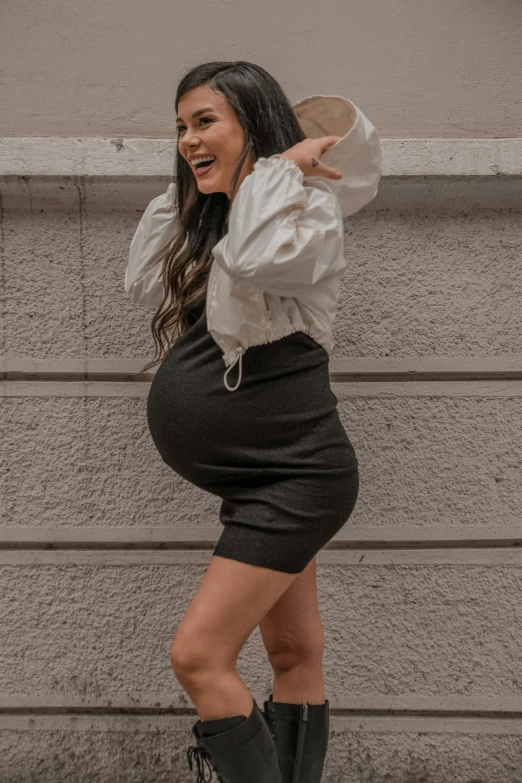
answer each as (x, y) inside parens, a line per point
(242, 260)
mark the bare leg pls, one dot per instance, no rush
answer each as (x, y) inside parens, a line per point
(293, 636)
(230, 602)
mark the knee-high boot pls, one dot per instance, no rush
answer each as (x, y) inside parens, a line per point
(245, 752)
(300, 733)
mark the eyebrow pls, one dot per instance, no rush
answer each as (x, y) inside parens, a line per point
(196, 114)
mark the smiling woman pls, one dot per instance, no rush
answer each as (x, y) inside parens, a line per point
(251, 263)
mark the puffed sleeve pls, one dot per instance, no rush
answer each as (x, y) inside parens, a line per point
(282, 236)
(357, 154)
(285, 231)
(152, 239)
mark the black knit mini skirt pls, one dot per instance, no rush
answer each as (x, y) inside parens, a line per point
(274, 450)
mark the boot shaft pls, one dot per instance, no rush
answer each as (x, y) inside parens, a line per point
(300, 733)
(243, 753)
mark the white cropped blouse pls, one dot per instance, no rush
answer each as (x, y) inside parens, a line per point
(279, 267)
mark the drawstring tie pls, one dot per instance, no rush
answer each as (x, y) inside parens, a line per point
(239, 358)
(202, 757)
(270, 336)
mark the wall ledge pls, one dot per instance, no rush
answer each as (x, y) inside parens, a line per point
(89, 156)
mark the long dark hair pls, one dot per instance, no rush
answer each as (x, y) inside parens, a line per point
(270, 127)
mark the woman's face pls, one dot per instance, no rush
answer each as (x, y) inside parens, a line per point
(215, 131)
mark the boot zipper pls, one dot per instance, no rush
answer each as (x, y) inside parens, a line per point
(296, 777)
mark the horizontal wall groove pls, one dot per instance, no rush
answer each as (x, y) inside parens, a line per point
(95, 710)
(489, 556)
(360, 368)
(68, 377)
(339, 376)
(371, 705)
(205, 537)
(382, 724)
(356, 388)
(352, 712)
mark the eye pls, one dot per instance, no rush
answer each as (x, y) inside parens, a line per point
(201, 119)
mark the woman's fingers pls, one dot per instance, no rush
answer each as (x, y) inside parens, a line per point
(321, 169)
(326, 143)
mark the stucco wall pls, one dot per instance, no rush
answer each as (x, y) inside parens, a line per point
(422, 665)
(102, 546)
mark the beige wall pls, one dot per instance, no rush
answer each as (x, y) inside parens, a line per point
(102, 546)
(416, 67)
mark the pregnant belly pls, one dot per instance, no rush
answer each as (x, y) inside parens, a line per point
(282, 414)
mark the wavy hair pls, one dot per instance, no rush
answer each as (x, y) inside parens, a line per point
(270, 127)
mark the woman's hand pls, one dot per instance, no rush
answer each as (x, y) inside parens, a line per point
(307, 153)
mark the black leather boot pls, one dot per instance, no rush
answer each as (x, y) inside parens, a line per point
(300, 733)
(243, 753)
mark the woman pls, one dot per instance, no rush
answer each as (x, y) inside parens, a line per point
(242, 260)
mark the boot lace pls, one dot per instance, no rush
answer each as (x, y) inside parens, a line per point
(203, 759)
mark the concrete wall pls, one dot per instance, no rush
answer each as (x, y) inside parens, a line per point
(102, 546)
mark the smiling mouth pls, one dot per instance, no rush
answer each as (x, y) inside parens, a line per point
(202, 168)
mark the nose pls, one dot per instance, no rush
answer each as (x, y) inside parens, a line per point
(191, 141)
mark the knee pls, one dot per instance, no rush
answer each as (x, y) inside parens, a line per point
(189, 657)
(286, 652)
(196, 656)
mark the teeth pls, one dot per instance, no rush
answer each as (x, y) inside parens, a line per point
(195, 161)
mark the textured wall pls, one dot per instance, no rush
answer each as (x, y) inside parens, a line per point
(104, 632)
(421, 664)
(423, 461)
(418, 282)
(422, 614)
(126, 751)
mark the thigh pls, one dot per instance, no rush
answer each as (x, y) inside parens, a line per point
(294, 621)
(230, 602)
